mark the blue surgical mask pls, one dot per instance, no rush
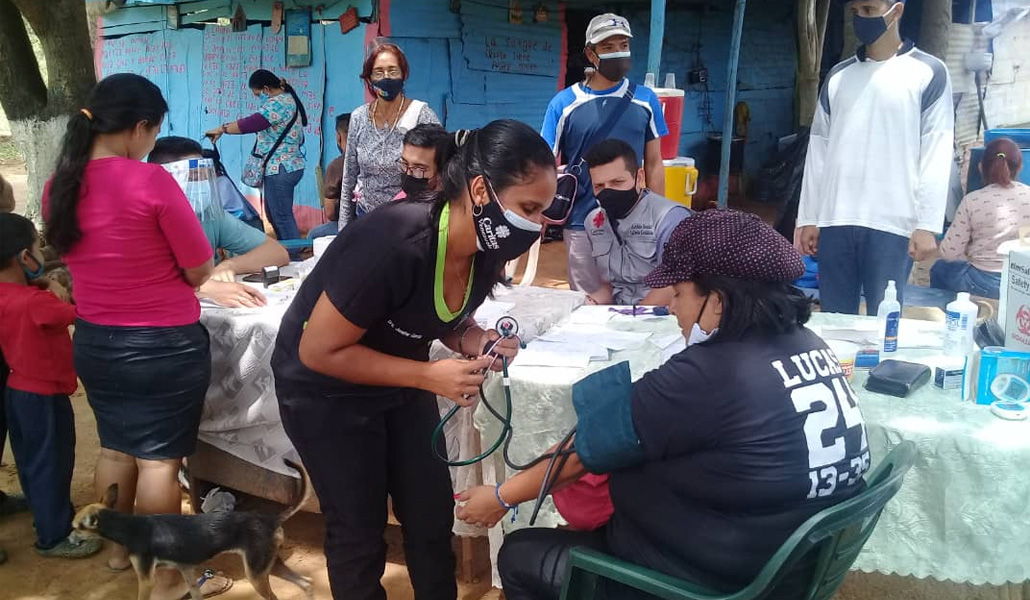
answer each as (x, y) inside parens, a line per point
(38, 271)
(263, 97)
(870, 29)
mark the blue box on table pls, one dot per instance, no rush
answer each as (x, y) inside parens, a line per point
(999, 374)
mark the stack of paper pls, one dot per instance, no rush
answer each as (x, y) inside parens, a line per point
(598, 335)
(551, 354)
(591, 315)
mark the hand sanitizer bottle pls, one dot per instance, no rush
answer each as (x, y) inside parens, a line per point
(961, 320)
(889, 317)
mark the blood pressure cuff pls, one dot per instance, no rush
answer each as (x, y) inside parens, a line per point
(606, 440)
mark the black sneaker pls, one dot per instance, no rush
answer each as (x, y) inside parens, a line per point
(12, 504)
(73, 547)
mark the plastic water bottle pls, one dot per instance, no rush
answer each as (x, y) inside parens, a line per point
(670, 81)
(649, 80)
(889, 317)
(961, 320)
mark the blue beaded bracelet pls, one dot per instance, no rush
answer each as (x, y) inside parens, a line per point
(497, 493)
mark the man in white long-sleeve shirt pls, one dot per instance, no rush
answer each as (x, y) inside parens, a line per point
(879, 162)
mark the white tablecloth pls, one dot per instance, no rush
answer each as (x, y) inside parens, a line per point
(961, 516)
(241, 412)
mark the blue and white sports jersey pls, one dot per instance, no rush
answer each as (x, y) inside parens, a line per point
(573, 118)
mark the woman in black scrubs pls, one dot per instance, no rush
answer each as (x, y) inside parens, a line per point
(356, 389)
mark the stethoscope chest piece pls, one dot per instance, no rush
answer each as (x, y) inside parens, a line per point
(507, 327)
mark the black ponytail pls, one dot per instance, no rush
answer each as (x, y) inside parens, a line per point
(504, 151)
(116, 104)
(263, 78)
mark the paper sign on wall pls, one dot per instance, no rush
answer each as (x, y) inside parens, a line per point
(298, 38)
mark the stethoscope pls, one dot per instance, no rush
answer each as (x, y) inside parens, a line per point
(508, 327)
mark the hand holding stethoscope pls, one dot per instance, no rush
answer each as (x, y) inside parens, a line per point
(460, 380)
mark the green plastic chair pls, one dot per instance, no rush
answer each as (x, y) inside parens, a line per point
(828, 543)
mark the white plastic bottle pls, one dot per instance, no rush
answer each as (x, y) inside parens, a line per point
(961, 320)
(889, 317)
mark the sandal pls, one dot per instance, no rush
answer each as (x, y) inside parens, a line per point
(215, 586)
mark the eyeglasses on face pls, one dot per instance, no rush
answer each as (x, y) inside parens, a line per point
(418, 172)
(392, 73)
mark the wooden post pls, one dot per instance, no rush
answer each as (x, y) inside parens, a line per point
(935, 31)
(654, 49)
(811, 22)
(731, 101)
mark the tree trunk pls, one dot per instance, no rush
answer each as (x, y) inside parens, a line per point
(812, 18)
(935, 31)
(38, 111)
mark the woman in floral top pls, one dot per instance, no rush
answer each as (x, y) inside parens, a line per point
(377, 131)
(280, 107)
(986, 219)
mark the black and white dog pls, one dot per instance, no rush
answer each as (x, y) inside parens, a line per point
(184, 542)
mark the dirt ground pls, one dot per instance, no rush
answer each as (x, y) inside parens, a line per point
(27, 576)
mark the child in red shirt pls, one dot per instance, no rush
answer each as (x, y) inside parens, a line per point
(35, 344)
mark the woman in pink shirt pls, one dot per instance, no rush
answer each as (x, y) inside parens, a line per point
(136, 252)
(985, 219)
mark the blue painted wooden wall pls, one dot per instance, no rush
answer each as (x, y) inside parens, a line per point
(474, 66)
(765, 80)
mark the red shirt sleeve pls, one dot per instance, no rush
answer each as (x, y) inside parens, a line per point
(178, 222)
(45, 202)
(47, 310)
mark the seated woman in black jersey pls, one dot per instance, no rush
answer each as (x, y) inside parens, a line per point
(356, 390)
(730, 446)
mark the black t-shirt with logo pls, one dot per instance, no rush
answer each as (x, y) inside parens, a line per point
(380, 274)
(744, 441)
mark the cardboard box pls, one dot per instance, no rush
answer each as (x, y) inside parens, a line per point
(947, 372)
(1016, 293)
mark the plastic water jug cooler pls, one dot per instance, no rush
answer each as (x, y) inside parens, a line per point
(681, 176)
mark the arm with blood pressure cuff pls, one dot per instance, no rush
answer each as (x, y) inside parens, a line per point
(604, 440)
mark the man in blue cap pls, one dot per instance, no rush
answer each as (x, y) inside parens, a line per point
(879, 163)
(606, 105)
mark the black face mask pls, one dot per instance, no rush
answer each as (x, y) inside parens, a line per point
(614, 66)
(389, 88)
(617, 204)
(503, 234)
(413, 186)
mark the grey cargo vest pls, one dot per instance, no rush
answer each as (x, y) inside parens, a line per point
(625, 262)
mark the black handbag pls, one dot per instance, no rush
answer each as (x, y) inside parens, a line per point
(897, 378)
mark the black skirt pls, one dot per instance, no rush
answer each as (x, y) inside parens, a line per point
(146, 386)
